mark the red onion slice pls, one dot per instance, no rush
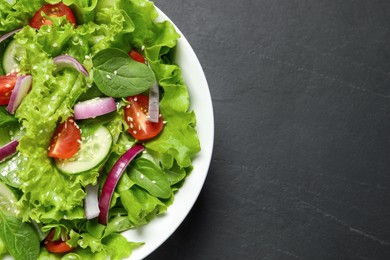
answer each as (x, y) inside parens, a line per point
(112, 180)
(91, 202)
(65, 61)
(8, 34)
(8, 149)
(22, 87)
(94, 107)
(154, 103)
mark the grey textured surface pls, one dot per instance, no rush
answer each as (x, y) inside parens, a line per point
(300, 168)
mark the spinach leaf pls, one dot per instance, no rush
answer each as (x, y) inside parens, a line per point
(5, 117)
(117, 75)
(150, 177)
(175, 174)
(20, 238)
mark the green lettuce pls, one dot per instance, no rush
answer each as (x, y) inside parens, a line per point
(13, 16)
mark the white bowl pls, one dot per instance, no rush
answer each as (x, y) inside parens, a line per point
(162, 227)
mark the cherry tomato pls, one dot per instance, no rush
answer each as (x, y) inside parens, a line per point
(56, 10)
(136, 56)
(65, 141)
(57, 246)
(7, 84)
(136, 117)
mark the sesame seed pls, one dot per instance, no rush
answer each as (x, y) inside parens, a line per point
(108, 76)
(134, 132)
(139, 127)
(164, 122)
(115, 72)
(138, 114)
(135, 99)
(131, 125)
(154, 182)
(87, 57)
(128, 106)
(7, 85)
(79, 141)
(142, 176)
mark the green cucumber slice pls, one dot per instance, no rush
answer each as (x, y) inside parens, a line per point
(13, 54)
(94, 149)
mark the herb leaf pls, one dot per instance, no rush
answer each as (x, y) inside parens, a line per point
(5, 117)
(20, 238)
(117, 75)
(150, 177)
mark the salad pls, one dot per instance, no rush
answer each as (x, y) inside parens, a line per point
(96, 134)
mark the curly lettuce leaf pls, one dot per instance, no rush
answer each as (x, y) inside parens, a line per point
(13, 16)
(179, 138)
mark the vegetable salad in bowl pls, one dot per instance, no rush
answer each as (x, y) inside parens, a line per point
(96, 131)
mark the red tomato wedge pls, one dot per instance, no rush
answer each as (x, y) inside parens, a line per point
(56, 10)
(136, 114)
(136, 56)
(65, 141)
(57, 246)
(7, 84)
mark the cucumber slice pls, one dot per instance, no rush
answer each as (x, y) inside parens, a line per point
(94, 149)
(7, 201)
(13, 54)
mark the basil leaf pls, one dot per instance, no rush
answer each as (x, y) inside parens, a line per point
(118, 75)
(150, 177)
(20, 239)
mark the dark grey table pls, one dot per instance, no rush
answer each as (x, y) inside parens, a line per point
(301, 162)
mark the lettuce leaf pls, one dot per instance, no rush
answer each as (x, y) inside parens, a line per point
(13, 16)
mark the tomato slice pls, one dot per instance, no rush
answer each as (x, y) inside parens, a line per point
(135, 55)
(7, 84)
(66, 140)
(56, 10)
(136, 114)
(57, 246)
